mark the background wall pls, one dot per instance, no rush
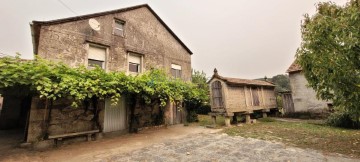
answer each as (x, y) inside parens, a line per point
(304, 97)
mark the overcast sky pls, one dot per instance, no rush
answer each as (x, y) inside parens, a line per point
(241, 38)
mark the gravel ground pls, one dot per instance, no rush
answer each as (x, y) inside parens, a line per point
(221, 147)
(175, 143)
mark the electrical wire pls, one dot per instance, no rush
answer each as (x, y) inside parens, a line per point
(66, 6)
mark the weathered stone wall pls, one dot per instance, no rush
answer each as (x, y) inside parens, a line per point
(304, 97)
(168, 113)
(144, 34)
(236, 99)
(148, 115)
(63, 119)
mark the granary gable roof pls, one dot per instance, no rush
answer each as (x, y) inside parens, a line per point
(294, 67)
(238, 81)
(36, 24)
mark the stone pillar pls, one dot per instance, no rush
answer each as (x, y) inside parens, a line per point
(227, 121)
(214, 120)
(248, 119)
(264, 115)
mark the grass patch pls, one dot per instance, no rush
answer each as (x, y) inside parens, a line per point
(205, 120)
(304, 135)
(312, 134)
(266, 120)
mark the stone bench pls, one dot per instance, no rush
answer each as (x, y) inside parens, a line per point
(61, 136)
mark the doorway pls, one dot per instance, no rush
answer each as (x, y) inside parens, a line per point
(177, 114)
(115, 117)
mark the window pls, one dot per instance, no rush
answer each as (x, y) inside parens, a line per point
(119, 28)
(176, 71)
(217, 94)
(96, 56)
(134, 63)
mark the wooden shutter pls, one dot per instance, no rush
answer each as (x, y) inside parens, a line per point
(255, 96)
(217, 94)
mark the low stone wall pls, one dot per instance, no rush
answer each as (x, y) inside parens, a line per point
(65, 119)
(148, 115)
(62, 119)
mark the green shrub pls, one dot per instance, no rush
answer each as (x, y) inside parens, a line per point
(192, 117)
(343, 119)
(203, 109)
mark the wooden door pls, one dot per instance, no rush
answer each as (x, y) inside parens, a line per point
(177, 114)
(115, 116)
(288, 104)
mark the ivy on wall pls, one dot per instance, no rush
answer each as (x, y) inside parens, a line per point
(52, 80)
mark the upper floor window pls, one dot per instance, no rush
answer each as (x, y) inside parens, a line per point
(119, 28)
(135, 63)
(96, 56)
(176, 71)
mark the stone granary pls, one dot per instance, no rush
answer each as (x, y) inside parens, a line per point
(233, 96)
(132, 40)
(303, 97)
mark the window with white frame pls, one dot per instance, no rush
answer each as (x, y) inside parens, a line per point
(96, 56)
(119, 28)
(176, 71)
(134, 63)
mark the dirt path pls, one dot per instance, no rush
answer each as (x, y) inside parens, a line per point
(87, 151)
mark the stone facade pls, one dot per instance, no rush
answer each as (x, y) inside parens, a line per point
(61, 119)
(143, 34)
(68, 41)
(304, 97)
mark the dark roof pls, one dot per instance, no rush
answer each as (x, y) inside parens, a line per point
(238, 81)
(294, 67)
(36, 24)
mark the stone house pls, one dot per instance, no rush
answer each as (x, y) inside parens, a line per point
(132, 40)
(303, 97)
(231, 97)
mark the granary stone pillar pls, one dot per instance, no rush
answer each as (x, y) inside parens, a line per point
(248, 119)
(264, 113)
(227, 121)
(213, 118)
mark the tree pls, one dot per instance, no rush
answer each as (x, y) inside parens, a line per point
(330, 54)
(282, 83)
(199, 105)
